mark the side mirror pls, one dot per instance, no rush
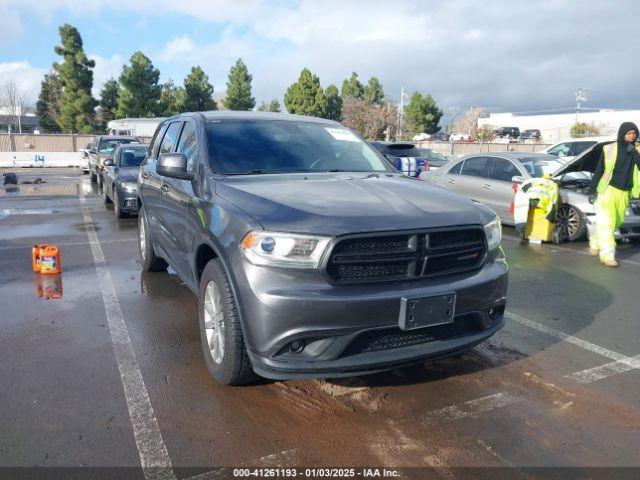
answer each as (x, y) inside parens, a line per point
(173, 165)
(517, 179)
(109, 162)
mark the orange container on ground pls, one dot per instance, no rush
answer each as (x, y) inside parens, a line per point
(46, 259)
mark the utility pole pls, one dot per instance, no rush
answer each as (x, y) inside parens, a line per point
(400, 124)
(581, 97)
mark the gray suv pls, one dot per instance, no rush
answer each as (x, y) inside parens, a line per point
(309, 255)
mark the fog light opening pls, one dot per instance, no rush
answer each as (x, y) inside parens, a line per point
(297, 346)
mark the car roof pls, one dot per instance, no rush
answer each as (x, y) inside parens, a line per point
(116, 137)
(249, 115)
(513, 155)
(133, 145)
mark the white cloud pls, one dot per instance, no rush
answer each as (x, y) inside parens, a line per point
(12, 29)
(26, 77)
(105, 69)
(176, 48)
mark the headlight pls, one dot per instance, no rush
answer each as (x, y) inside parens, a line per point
(284, 249)
(129, 186)
(493, 230)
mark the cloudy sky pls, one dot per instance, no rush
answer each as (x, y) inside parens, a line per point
(516, 55)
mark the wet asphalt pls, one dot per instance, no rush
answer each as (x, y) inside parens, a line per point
(526, 398)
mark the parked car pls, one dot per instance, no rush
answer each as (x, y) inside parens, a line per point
(120, 177)
(441, 136)
(532, 134)
(489, 178)
(103, 146)
(569, 149)
(435, 159)
(403, 156)
(508, 132)
(309, 254)
(459, 137)
(84, 160)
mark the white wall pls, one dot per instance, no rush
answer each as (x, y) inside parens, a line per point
(555, 128)
(51, 159)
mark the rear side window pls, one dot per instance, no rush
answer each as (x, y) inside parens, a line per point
(188, 145)
(503, 170)
(170, 138)
(475, 167)
(561, 150)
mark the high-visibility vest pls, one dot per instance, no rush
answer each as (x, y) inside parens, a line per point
(544, 190)
(610, 157)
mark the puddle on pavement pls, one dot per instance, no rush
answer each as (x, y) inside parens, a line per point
(75, 190)
(27, 211)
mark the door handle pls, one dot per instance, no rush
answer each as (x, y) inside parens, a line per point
(165, 188)
(487, 187)
(145, 175)
(451, 181)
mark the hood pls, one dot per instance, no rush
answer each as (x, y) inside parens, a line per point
(585, 162)
(128, 174)
(342, 203)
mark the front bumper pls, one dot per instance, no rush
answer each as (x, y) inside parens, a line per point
(354, 329)
(128, 200)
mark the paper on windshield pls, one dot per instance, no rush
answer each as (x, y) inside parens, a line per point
(342, 134)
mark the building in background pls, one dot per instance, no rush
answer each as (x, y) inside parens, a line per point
(138, 127)
(557, 127)
(10, 122)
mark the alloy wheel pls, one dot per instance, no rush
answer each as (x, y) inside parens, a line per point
(214, 322)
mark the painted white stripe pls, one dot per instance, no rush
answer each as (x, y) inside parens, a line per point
(154, 457)
(567, 338)
(287, 458)
(471, 408)
(607, 370)
(66, 244)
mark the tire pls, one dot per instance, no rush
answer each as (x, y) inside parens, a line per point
(229, 365)
(100, 181)
(570, 223)
(92, 177)
(116, 205)
(148, 259)
(105, 196)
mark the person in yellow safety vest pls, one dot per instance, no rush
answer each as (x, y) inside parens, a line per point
(615, 180)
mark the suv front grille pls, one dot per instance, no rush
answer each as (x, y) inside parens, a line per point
(406, 256)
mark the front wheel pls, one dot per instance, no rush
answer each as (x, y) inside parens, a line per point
(148, 259)
(570, 223)
(92, 177)
(220, 329)
(116, 205)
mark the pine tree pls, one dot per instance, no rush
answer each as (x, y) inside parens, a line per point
(352, 88)
(198, 92)
(306, 97)
(334, 103)
(139, 89)
(422, 114)
(239, 88)
(172, 99)
(77, 106)
(274, 106)
(373, 92)
(48, 104)
(109, 96)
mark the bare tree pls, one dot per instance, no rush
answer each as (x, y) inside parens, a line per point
(16, 102)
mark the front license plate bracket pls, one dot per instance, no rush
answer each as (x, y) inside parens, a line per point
(420, 312)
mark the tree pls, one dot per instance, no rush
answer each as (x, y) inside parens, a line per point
(15, 101)
(273, 106)
(172, 99)
(334, 103)
(352, 88)
(139, 89)
(373, 91)
(486, 133)
(198, 92)
(581, 129)
(422, 114)
(375, 122)
(77, 106)
(306, 97)
(109, 96)
(239, 88)
(48, 104)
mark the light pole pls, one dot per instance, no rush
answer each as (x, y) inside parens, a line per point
(400, 114)
(581, 97)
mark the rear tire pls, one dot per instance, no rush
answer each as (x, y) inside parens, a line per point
(148, 259)
(92, 177)
(223, 344)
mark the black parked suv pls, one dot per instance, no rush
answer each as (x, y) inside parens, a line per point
(309, 254)
(101, 148)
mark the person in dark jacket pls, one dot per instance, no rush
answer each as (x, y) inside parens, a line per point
(615, 180)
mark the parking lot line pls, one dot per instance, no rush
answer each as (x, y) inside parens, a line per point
(472, 407)
(154, 457)
(67, 244)
(606, 370)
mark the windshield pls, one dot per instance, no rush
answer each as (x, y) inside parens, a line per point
(538, 167)
(132, 157)
(435, 159)
(268, 146)
(108, 145)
